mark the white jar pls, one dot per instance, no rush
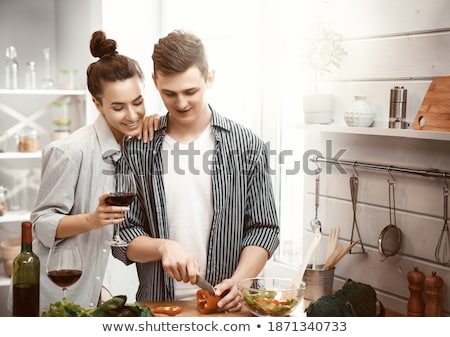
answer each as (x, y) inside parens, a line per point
(359, 113)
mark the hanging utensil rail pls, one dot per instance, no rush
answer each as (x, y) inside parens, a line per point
(390, 168)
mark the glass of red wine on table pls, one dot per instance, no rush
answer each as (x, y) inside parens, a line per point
(64, 266)
(123, 194)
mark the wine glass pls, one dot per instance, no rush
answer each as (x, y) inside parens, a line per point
(64, 266)
(123, 195)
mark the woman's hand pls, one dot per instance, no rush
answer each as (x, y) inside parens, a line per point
(149, 126)
(106, 214)
(103, 215)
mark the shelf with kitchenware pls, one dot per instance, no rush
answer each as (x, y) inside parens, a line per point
(46, 113)
(4, 280)
(30, 120)
(49, 92)
(15, 216)
(378, 131)
(20, 155)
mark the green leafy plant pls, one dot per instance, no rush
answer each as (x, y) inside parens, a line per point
(324, 50)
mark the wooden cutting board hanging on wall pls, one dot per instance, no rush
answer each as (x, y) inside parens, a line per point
(434, 112)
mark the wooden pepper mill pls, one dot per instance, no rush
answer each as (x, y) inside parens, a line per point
(433, 286)
(416, 304)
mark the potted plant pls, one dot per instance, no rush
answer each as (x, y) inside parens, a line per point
(324, 52)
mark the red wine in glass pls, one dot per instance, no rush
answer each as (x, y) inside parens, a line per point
(123, 195)
(65, 277)
(64, 266)
(120, 198)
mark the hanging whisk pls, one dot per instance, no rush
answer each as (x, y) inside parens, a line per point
(442, 252)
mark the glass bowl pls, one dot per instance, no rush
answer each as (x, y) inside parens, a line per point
(270, 296)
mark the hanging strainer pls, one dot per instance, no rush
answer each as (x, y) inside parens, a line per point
(390, 237)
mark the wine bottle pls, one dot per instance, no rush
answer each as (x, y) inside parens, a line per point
(26, 269)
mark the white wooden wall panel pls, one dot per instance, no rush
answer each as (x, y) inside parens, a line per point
(357, 18)
(403, 57)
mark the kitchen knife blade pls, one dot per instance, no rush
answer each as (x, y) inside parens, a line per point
(202, 283)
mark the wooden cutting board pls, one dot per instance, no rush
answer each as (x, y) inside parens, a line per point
(189, 309)
(434, 112)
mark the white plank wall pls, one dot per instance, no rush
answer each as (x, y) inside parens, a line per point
(389, 43)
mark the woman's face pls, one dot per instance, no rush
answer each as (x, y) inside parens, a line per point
(123, 106)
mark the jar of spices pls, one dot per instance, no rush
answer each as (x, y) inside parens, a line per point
(3, 205)
(61, 119)
(28, 140)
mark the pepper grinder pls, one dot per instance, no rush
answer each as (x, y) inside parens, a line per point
(397, 108)
(416, 304)
(433, 286)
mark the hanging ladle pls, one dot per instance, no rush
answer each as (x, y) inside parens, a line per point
(442, 252)
(315, 223)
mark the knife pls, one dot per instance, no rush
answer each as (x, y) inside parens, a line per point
(202, 283)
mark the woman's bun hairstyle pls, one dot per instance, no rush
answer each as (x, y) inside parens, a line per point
(101, 46)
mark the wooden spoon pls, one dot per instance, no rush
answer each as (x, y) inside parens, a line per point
(332, 240)
(333, 256)
(342, 254)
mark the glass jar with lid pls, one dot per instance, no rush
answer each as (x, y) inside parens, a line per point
(2, 200)
(28, 140)
(61, 119)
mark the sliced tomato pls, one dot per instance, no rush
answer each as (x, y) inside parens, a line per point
(206, 303)
(170, 310)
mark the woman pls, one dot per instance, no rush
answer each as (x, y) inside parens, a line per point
(70, 206)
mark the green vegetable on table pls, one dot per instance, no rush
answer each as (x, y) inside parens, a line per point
(264, 301)
(115, 307)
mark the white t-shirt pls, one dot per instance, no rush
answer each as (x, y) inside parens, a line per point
(188, 189)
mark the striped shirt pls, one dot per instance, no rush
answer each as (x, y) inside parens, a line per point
(243, 203)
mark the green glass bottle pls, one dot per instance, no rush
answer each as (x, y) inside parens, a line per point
(26, 271)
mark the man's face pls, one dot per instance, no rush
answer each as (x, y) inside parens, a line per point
(184, 94)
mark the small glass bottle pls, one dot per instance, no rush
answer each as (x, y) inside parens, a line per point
(30, 76)
(26, 277)
(11, 69)
(47, 82)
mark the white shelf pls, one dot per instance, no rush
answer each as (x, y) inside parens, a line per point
(4, 280)
(15, 216)
(20, 155)
(382, 132)
(40, 92)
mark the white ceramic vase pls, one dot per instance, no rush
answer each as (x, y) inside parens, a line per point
(359, 113)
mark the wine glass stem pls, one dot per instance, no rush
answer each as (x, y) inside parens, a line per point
(116, 232)
(65, 292)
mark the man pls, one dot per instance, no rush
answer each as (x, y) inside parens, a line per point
(205, 202)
